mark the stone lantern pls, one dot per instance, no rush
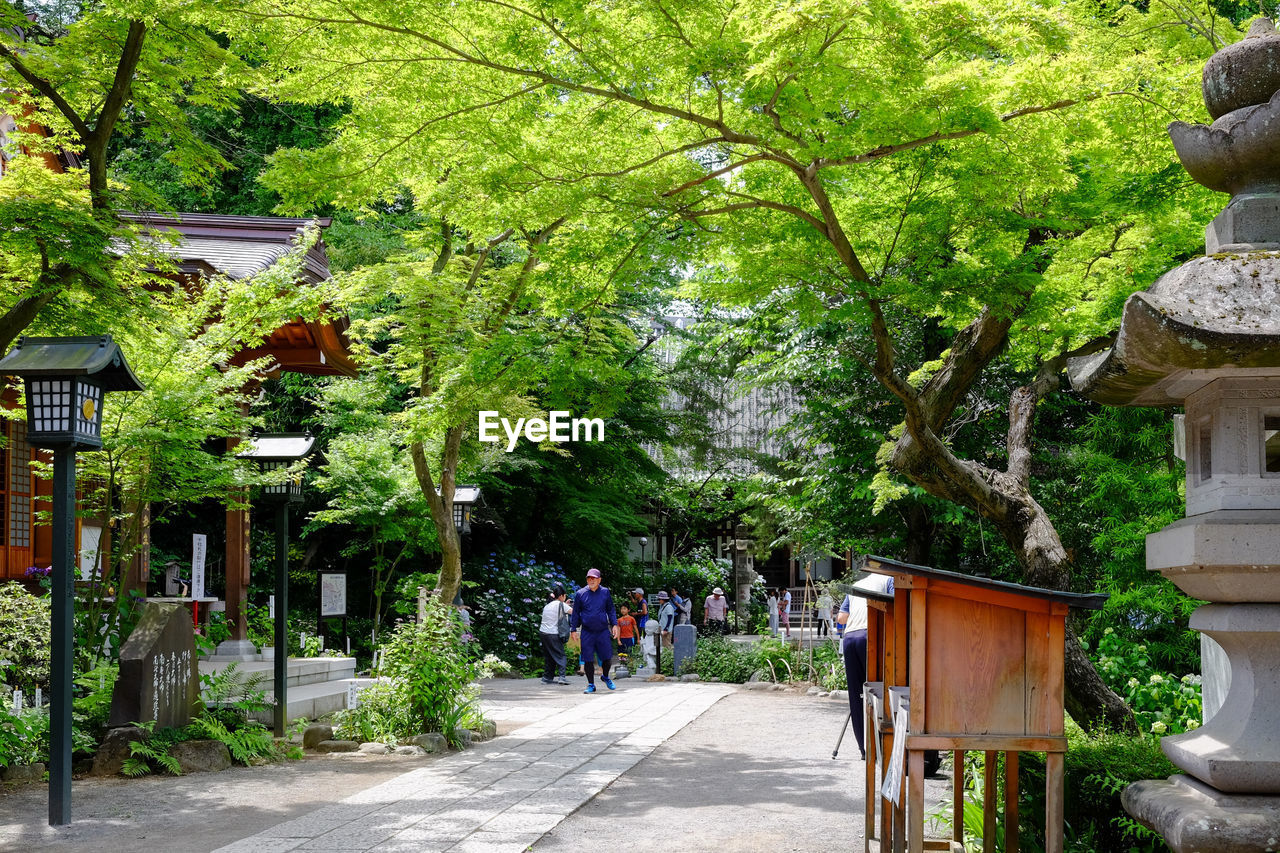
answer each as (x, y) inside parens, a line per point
(1207, 336)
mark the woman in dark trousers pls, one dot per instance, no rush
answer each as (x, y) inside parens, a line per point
(549, 632)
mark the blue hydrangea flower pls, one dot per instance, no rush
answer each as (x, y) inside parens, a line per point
(522, 657)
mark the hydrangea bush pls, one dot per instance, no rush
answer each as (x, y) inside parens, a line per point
(1162, 703)
(506, 605)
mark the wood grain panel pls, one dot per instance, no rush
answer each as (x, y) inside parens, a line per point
(976, 677)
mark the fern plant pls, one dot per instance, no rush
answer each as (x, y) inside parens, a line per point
(152, 752)
(247, 744)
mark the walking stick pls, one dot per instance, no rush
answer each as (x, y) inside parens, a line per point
(848, 721)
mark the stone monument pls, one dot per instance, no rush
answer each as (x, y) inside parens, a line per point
(684, 645)
(1207, 336)
(158, 676)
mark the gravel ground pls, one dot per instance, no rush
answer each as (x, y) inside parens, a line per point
(754, 773)
(188, 814)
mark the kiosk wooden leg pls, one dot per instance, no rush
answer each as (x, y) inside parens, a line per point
(872, 789)
(887, 809)
(915, 800)
(900, 821)
(1011, 802)
(1055, 779)
(989, 800)
(957, 797)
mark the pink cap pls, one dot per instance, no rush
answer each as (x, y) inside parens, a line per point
(593, 573)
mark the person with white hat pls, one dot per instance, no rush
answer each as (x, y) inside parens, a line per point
(715, 612)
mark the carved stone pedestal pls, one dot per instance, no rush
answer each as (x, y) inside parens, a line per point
(1238, 749)
(1194, 817)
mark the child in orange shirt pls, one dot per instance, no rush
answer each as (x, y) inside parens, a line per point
(626, 629)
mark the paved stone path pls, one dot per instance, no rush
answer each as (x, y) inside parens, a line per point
(503, 795)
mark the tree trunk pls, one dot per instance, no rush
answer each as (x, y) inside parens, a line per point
(1004, 497)
(1039, 549)
(441, 504)
(920, 532)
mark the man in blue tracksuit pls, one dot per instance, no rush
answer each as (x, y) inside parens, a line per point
(596, 622)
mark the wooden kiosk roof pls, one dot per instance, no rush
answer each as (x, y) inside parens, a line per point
(884, 565)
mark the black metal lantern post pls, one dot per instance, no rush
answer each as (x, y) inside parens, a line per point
(274, 453)
(66, 380)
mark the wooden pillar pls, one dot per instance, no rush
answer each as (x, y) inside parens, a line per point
(238, 564)
(957, 797)
(1011, 802)
(915, 799)
(989, 800)
(1055, 779)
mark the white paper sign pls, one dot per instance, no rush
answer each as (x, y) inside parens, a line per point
(198, 543)
(17, 701)
(271, 606)
(353, 695)
(891, 789)
(333, 594)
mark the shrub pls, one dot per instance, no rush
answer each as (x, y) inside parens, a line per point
(1162, 703)
(24, 737)
(507, 606)
(718, 657)
(777, 660)
(1099, 766)
(24, 638)
(433, 667)
(382, 715)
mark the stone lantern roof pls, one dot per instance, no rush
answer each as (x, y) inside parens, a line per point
(1220, 312)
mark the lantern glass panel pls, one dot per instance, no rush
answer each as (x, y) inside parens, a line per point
(277, 490)
(51, 401)
(88, 411)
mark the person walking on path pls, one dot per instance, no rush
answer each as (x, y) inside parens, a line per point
(784, 610)
(715, 612)
(771, 605)
(853, 616)
(639, 609)
(595, 623)
(549, 633)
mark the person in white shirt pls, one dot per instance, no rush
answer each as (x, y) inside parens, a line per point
(853, 616)
(771, 604)
(824, 614)
(715, 612)
(549, 633)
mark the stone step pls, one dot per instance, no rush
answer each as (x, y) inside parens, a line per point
(313, 700)
(301, 671)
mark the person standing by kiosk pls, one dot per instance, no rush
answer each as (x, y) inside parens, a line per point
(853, 616)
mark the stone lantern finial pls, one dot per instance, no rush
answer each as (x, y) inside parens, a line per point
(1240, 152)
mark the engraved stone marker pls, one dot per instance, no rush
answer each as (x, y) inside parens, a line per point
(158, 678)
(686, 645)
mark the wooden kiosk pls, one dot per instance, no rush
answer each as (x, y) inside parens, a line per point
(966, 663)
